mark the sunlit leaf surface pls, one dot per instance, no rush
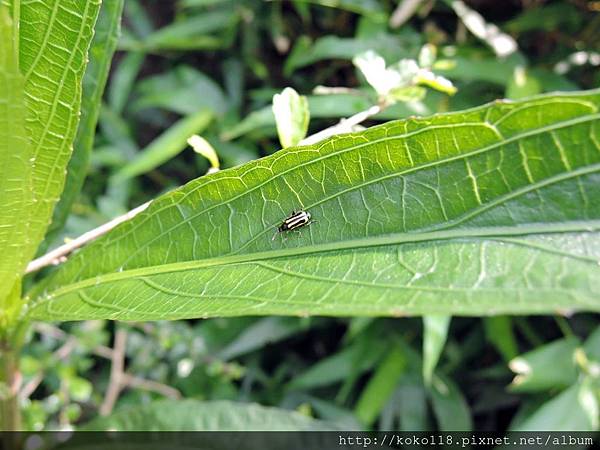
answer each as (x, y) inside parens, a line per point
(487, 211)
(53, 55)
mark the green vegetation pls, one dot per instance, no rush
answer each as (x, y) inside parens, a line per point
(471, 202)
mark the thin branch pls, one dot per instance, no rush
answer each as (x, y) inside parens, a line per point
(124, 379)
(59, 255)
(344, 126)
(116, 373)
(150, 385)
(31, 386)
(405, 10)
(335, 90)
(66, 349)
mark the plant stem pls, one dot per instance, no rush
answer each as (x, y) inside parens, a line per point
(344, 125)
(60, 254)
(10, 378)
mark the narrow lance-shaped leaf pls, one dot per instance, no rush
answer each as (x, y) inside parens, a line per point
(499, 332)
(16, 199)
(488, 211)
(380, 387)
(449, 405)
(568, 410)
(170, 143)
(100, 55)
(54, 40)
(435, 332)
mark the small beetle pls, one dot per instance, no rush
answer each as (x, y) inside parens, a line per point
(296, 220)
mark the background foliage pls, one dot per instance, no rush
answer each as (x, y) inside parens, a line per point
(199, 66)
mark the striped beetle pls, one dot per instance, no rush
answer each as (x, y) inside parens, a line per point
(296, 220)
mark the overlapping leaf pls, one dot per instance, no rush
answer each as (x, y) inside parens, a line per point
(43, 56)
(54, 39)
(16, 199)
(100, 56)
(490, 210)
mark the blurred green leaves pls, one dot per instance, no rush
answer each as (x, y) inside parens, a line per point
(192, 415)
(182, 90)
(568, 366)
(552, 365)
(380, 386)
(434, 337)
(166, 146)
(210, 30)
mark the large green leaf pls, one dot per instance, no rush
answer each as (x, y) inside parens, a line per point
(54, 40)
(100, 56)
(566, 411)
(487, 211)
(187, 415)
(16, 198)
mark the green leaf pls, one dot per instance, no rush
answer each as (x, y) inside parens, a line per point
(412, 406)
(122, 80)
(567, 411)
(351, 362)
(549, 366)
(522, 84)
(472, 67)
(408, 94)
(391, 46)
(493, 210)
(100, 56)
(449, 405)
(592, 345)
(198, 32)
(331, 412)
(203, 148)
(554, 16)
(370, 8)
(498, 331)
(263, 332)
(166, 146)
(380, 386)
(434, 337)
(54, 39)
(192, 415)
(291, 116)
(16, 197)
(183, 90)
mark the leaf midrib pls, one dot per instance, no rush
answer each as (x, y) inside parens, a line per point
(547, 128)
(469, 214)
(392, 239)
